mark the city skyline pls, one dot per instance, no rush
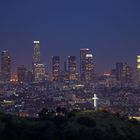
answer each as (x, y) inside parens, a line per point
(49, 68)
(106, 27)
(70, 69)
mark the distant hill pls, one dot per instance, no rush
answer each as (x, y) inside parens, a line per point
(75, 125)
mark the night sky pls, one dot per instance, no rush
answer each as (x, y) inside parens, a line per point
(111, 28)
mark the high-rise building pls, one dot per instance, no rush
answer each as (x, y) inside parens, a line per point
(86, 65)
(72, 68)
(36, 52)
(36, 57)
(55, 68)
(127, 74)
(124, 73)
(39, 73)
(6, 65)
(119, 71)
(89, 68)
(138, 69)
(83, 53)
(22, 74)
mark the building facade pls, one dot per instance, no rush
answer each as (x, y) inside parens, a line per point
(72, 68)
(6, 65)
(55, 68)
(86, 65)
(124, 73)
(138, 69)
(36, 52)
(39, 72)
(89, 68)
(22, 73)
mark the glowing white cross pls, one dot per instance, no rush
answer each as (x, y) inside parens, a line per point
(95, 98)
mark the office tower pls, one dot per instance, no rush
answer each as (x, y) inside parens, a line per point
(36, 57)
(40, 72)
(89, 68)
(22, 74)
(83, 53)
(6, 65)
(36, 52)
(138, 69)
(86, 65)
(119, 71)
(127, 74)
(55, 68)
(64, 74)
(72, 68)
(124, 73)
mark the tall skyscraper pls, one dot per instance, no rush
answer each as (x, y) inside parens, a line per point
(124, 73)
(36, 52)
(39, 73)
(22, 74)
(83, 53)
(138, 69)
(36, 57)
(72, 68)
(55, 68)
(127, 74)
(86, 65)
(6, 65)
(89, 68)
(119, 71)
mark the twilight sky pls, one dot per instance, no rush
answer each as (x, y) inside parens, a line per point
(111, 28)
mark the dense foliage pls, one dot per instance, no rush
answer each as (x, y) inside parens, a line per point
(73, 125)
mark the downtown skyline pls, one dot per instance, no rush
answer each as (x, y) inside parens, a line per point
(46, 59)
(70, 69)
(109, 28)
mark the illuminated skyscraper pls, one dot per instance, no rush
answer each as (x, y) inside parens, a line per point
(55, 68)
(6, 65)
(72, 68)
(89, 68)
(40, 72)
(36, 58)
(36, 52)
(83, 53)
(138, 69)
(86, 65)
(22, 74)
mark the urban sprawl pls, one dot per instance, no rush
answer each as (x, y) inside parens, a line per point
(29, 91)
